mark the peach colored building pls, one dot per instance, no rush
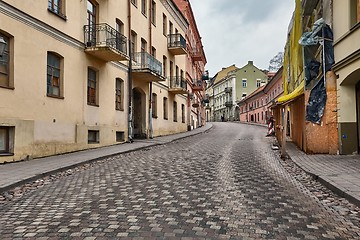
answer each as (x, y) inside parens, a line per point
(195, 68)
(85, 74)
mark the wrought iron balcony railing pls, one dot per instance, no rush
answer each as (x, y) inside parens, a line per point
(145, 61)
(100, 37)
(176, 44)
(177, 82)
(229, 103)
(198, 85)
(177, 85)
(228, 89)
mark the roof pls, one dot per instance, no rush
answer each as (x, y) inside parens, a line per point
(260, 89)
(223, 73)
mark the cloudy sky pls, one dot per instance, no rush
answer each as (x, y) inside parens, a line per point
(236, 31)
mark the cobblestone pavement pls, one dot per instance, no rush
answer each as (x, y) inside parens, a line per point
(223, 184)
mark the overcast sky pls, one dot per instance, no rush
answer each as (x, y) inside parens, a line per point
(236, 31)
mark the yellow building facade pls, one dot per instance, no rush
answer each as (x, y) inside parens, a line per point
(84, 74)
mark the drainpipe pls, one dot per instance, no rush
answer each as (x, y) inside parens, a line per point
(150, 135)
(130, 110)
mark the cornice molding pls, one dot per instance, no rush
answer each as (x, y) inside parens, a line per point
(40, 26)
(176, 14)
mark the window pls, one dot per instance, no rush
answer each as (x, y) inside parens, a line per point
(143, 45)
(164, 65)
(171, 26)
(93, 136)
(182, 113)
(154, 105)
(171, 69)
(133, 43)
(244, 83)
(258, 82)
(7, 140)
(57, 7)
(5, 67)
(165, 108)
(153, 12)
(119, 26)
(143, 7)
(164, 24)
(119, 94)
(153, 52)
(354, 12)
(133, 2)
(120, 136)
(54, 75)
(175, 111)
(92, 87)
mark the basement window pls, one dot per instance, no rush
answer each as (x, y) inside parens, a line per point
(7, 141)
(93, 136)
(120, 136)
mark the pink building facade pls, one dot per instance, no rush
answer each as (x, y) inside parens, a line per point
(257, 107)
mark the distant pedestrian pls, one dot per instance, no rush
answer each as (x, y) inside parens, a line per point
(222, 118)
(271, 129)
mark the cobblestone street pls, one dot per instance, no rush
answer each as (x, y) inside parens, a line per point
(226, 183)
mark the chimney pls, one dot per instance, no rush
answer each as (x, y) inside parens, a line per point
(251, 62)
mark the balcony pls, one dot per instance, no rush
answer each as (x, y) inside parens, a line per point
(228, 89)
(176, 44)
(178, 85)
(146, 67)
(198, 86)
(105, 43)
(196, 56)
(205, 76)
(228, 104)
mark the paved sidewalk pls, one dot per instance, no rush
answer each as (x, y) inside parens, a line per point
(17, 173)
(340, 173)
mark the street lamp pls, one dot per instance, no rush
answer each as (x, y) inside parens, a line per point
(2, 46)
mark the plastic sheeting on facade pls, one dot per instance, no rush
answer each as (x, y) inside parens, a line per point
(317, 101)
(297, 92)
(293, 57)
(311, 70)
(321, 34)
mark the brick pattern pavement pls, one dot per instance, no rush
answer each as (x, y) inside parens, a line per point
(223, 184)
(340, 173)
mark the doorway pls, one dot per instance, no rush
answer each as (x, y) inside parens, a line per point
(358, 114)
(139, 113)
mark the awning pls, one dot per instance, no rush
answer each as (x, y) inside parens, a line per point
(297, 92)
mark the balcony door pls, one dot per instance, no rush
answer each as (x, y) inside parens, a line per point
(91, 22)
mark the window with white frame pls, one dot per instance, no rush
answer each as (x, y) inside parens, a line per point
(244, 83)
(258, 82)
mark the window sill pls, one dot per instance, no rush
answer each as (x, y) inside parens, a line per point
(54, 96)
(7, 87)
(6, 154)
(93, 142)
(60, 15)
(165, 118)
(93, 104)
(154, 116)
(119, 110)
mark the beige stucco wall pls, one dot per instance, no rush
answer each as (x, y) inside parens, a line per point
(45, 125)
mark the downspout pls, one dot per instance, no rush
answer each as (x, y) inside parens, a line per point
(130, 110)
(150, 135)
